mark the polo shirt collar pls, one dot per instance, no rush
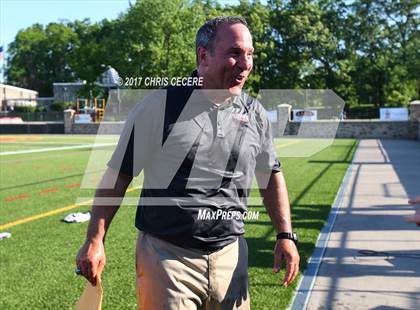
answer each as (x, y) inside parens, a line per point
(235, 100)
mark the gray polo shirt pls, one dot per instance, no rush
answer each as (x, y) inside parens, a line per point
(198, 158)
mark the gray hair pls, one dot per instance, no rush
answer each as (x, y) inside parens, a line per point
(206, 35)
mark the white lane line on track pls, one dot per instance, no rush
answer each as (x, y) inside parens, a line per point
(73, 147)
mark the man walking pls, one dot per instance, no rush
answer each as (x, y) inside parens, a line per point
(199, 149)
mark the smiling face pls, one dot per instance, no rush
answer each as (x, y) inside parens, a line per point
(230, 63)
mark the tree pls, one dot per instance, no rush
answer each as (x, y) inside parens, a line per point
(404, 37)
(366, 51)
(39, 56)
(87, 54)
(159, 40)
(299, 38)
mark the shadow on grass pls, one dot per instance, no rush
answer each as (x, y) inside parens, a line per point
(305, 217)
(347, 159)
(261, 252)
(308, 220)
(330, 164)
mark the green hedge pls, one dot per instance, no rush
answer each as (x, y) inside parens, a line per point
(60, 106)
(362, 112)
(24, 109)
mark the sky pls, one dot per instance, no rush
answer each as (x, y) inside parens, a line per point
(20, 14)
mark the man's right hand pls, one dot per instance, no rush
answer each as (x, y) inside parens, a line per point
(91, 260)
(91, 256)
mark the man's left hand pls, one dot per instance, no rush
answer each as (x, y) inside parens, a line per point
(285, 250)
(415, 218)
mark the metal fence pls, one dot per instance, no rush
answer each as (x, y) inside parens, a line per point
(36, 116)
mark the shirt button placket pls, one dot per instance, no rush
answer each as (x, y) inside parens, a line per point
(220, 132)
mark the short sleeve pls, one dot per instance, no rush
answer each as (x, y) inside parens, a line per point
(266, 160)
(136, 144)
(122, 158)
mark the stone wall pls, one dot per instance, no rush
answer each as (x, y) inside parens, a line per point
(415, 110)
(360, 129)
(418, 130)
(106, 128)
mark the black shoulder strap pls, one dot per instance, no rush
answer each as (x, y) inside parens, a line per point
(176, 100)
(234, 154)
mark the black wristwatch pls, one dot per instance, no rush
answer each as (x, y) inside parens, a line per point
(288, 235)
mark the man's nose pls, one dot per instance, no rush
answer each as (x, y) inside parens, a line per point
(245, 62)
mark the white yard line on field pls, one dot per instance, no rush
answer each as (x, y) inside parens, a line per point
(73, 147)
(40, 142)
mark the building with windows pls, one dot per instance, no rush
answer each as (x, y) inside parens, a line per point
(11, 96)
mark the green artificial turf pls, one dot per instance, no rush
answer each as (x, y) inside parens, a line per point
(37, 262)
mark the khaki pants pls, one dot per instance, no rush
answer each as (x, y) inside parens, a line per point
(171, 277)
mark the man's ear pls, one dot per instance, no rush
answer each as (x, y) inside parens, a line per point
(203, 56)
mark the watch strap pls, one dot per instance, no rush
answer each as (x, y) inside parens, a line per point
(288, 235)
